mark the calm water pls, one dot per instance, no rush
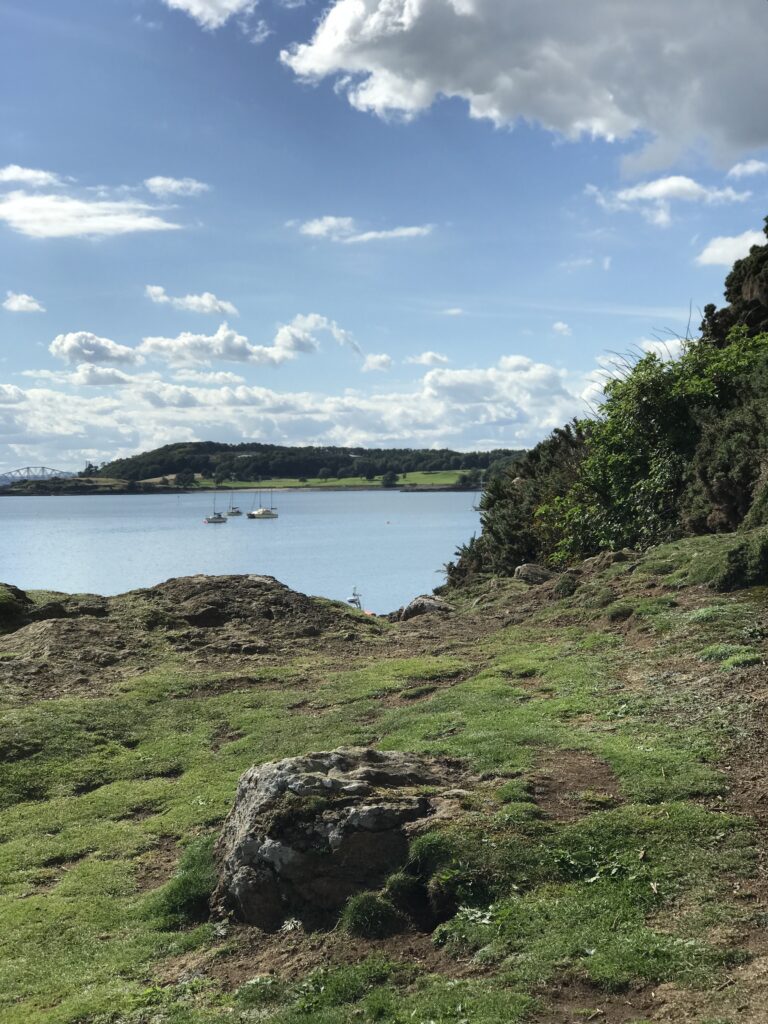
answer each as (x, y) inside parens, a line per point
(390, 545)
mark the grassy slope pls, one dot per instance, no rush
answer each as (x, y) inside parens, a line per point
(645, 675)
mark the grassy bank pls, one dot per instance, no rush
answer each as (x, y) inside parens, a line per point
(608, 849)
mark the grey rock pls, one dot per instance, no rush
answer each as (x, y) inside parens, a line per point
(533, 574)
(423, 605)
(306, 833)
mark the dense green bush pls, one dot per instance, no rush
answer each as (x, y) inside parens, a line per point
(677, 447)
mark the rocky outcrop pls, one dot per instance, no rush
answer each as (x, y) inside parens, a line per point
(306, 833)
(533, 574)
(84, 643)
(422, 605)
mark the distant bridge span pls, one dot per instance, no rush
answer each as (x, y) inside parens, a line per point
(35, 473)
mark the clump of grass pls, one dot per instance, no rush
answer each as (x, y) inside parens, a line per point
(417, 692)
(371, 916)
(567, 584)
(263, 990)
(620, 612)
(730, 654)
(184, 899)
(430, 852)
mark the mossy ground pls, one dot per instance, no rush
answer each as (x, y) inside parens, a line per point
(606, 851)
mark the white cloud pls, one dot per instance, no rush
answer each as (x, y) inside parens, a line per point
(346, 231)
(164, 187)
(512, 403)
(453, 311)
(212, 14)
(748, 168)
(654, 198)
(205, 303)
(10, 394)
(298, 336)
(18, 302)
(209, 377)
(588, 69)
(723, 251)
(13, 174)
(84, 347)
(559, 327)
(377, 363)
(257, 33)
(61, 216)
(666, 350)
(428, 359)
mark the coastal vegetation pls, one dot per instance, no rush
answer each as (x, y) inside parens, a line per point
(677, 448)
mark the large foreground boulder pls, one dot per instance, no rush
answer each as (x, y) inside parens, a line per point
(306, 833)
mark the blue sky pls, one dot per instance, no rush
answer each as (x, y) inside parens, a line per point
(376, 222)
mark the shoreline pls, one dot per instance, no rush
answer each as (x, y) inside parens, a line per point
(414, 489)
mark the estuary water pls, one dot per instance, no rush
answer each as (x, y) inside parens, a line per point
(392, 546)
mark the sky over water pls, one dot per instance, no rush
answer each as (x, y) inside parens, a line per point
(389, 222)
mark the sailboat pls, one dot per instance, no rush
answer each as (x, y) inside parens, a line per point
(233, 510)
(262, 512)
(217, 517)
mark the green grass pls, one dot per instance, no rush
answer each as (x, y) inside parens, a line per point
(92, 790)
(430, 478)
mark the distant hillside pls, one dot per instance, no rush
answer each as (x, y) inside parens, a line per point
(252, 461)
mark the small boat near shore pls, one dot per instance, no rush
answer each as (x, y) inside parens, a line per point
(233, 510)
(263, 511)
(216, 518)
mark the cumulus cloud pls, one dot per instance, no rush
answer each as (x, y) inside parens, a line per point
(346, 231)
(377, 363)
(298, 336)
(84, 347)
(748, 169)
(91, 375)
(205, 303)
(654, 198)
(428, 359)
(18, 302)
(49, 215)
(13, 174)
(212, 14)
(723, 250)
(588, 69)
(512, 403)
(164, 187)
(560, 327)
(453, 311)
